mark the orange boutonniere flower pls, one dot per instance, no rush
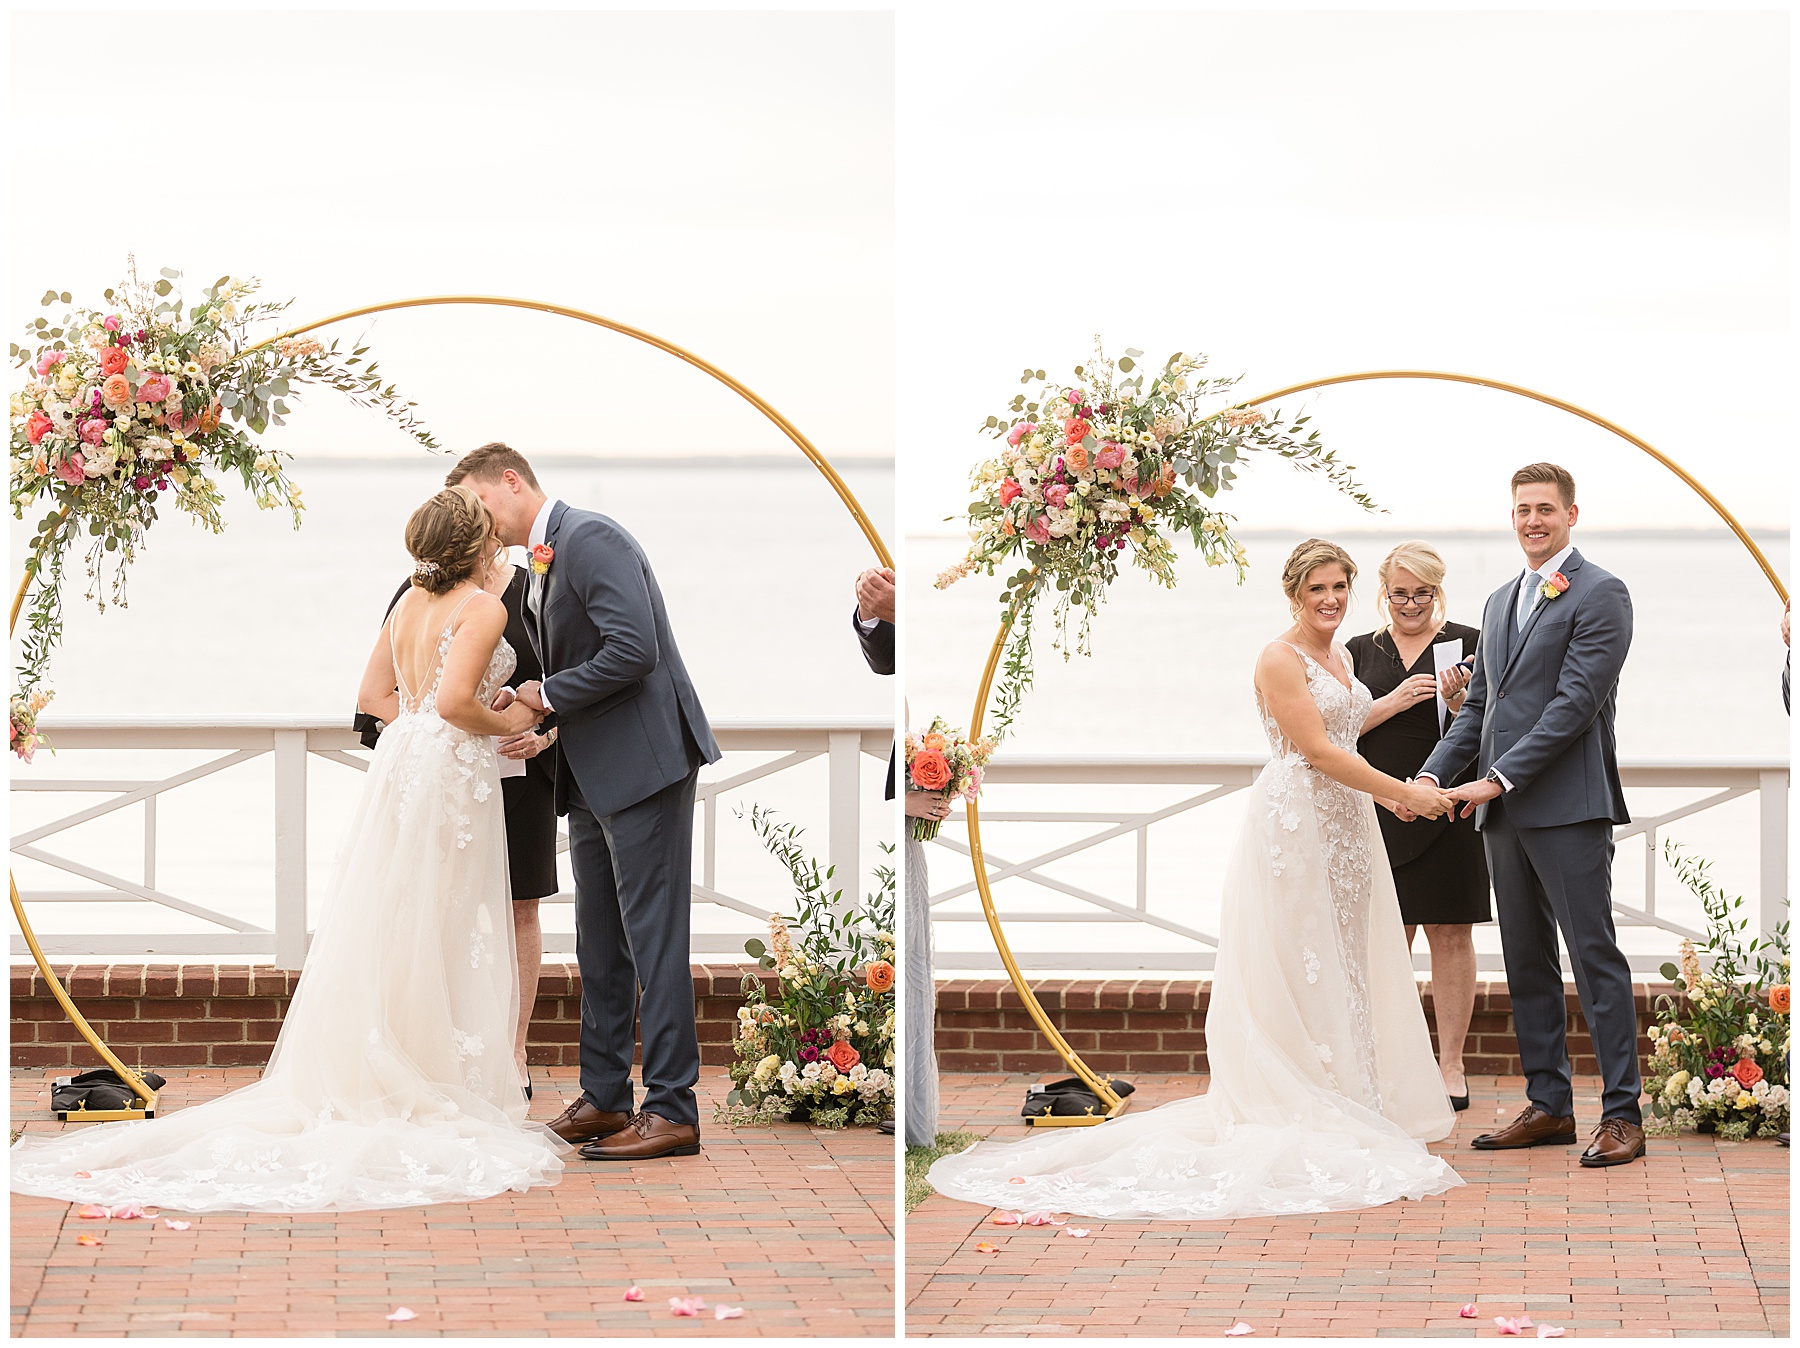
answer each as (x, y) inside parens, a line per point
(1554, 586)
(541, 557)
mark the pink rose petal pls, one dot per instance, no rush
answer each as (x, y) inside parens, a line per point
(1550, 1331)
(634, 1293)
(1016, 1179)
(728, 1312)
(178, 1226)
(1006, 1219)
(89, 1212)
(686, 1305)
(1036, 1219)
(126, 1212)
(1468, 1312)
(1079, 1232)
(1238, 1330)
(402, 1313)
(82, 1174)
(1507, 1326)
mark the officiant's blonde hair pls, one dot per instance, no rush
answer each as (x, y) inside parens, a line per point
(448, 536)
(1308, 558)
(1424, 562)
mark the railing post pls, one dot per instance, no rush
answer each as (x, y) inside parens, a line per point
(290, 848)
(1772, 797)
(843, 847)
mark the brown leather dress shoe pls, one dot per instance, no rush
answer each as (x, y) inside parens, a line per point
(581, 1122)
(1533, 1128)
(1616, 1142)
(646, 1137)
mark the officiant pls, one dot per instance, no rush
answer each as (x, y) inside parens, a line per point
(1411, 665)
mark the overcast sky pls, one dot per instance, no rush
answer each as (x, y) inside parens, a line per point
(722, 180)
(1592, 204)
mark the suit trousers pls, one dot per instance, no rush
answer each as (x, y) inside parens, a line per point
(633, 899)
(1546, 879)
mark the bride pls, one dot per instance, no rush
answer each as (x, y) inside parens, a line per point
(1323, 1084)
(392, 1083)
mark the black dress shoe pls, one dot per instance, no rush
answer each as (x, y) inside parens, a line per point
(886, 1126)
(528, 1088)
(1459, 1103)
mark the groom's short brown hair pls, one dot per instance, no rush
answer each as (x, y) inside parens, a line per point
(1536, 472)
(489, 462)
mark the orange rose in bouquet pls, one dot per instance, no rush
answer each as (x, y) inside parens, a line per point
(879, 976)
(843, 1055)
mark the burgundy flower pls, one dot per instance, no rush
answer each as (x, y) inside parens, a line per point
(808, 1053)
(141, 482)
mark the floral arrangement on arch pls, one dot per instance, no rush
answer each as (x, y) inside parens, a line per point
(1108, 465)
(944, 762)
(1719, 1050)
(146, 402)
(822, 1045)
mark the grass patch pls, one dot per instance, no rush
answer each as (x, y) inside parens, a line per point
(919, 1159)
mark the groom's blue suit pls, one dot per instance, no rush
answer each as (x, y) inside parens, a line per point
(631, 738)
(1539, 711)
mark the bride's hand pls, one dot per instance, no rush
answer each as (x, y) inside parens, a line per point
(1425, 799)
(504, 699)
(1412, 692)
(519, 718)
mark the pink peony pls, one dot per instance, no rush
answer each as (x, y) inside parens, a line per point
(51, 360)
(93, 431)
(38, 427)
(155, 389)
(112, 323)
(69, 470)
(1056, 495)
(1110, 456)
(1019, 432)
(1010, 491)
(1038, 529)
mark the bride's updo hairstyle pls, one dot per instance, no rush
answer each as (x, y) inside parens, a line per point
(1424, 562)
(448, 537)
(1306, 559)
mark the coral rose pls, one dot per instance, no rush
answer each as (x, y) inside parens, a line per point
(1074, 430)
(879, 976)
(113, 361)
(1010, 491)
(116, 392)
(1778, 998)
(933, 740)
(930, 771)
(38, 427)
(842, 1055)
(1747, 1072)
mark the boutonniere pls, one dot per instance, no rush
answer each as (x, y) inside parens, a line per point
(1554, 586)
(543, 554)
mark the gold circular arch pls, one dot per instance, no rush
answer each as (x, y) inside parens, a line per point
(1114, 1103)
(146, 1097)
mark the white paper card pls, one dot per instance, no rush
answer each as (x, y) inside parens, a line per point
(1443, 655)
(509, 767)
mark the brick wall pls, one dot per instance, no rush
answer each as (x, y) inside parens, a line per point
(1130, 1025)
(206, 1015)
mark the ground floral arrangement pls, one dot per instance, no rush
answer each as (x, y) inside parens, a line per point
(1108, 464)
(1720, 1048)
(821, 1047)
(147, 401)
(944, 762)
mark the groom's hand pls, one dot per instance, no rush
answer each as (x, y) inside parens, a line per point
(1473, 794)
(531, 697)
(503, 699)
(875, 594)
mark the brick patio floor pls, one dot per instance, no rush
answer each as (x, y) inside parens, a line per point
(792, 1224)
(1693, 1240)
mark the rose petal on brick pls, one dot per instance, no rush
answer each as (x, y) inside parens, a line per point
(175, 1225)
(1510, 1326)
(1550, 1331)
(686, 1305)
(1006, 1219)
(403, 1313)
(1059, 1221)
(1468, 1312)
(1036, 1219)
(89, 1212)
(728, 1312)
(88, 1240)
(1238, 1330)
(986, 1247)
(1079, 1232)
(634, 1293)
(126, 1212)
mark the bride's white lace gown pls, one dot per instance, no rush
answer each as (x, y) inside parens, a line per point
(1323, 1085)
(392, 1083)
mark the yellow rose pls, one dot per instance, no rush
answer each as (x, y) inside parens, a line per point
(842, 1086)
(1744, 1100)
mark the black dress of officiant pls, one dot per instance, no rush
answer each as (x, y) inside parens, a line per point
(531, 799)
(1440, 868)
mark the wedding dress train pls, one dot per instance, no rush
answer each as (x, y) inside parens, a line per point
(1323, 1081)
(392, 1083)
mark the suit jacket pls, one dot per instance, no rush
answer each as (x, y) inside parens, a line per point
(1541, 704)
(878, 650)
(628, 720)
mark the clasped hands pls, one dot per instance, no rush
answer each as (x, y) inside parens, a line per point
(1425, 799)
(526, 708)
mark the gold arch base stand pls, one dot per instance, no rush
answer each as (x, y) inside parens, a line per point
(1112, 1102)
(146, 1097)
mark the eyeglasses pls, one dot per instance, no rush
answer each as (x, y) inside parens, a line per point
(1423, 599)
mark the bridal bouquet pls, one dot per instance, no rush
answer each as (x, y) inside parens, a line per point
(1719, 1051)
(942, 761)
(1114, 464)
(147, 402)
(822, 1045)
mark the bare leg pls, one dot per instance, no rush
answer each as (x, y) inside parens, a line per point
(1453, 996)
(528, 936)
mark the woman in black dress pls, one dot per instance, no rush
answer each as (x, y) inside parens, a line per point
(1440, 869)
(530, 797)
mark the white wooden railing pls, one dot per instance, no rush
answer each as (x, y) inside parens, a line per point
(854, 757)
(1108, 889)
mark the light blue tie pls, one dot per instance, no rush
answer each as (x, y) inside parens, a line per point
(1528, 597)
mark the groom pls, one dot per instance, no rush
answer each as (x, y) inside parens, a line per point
(1540, 713)
(632, 738)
